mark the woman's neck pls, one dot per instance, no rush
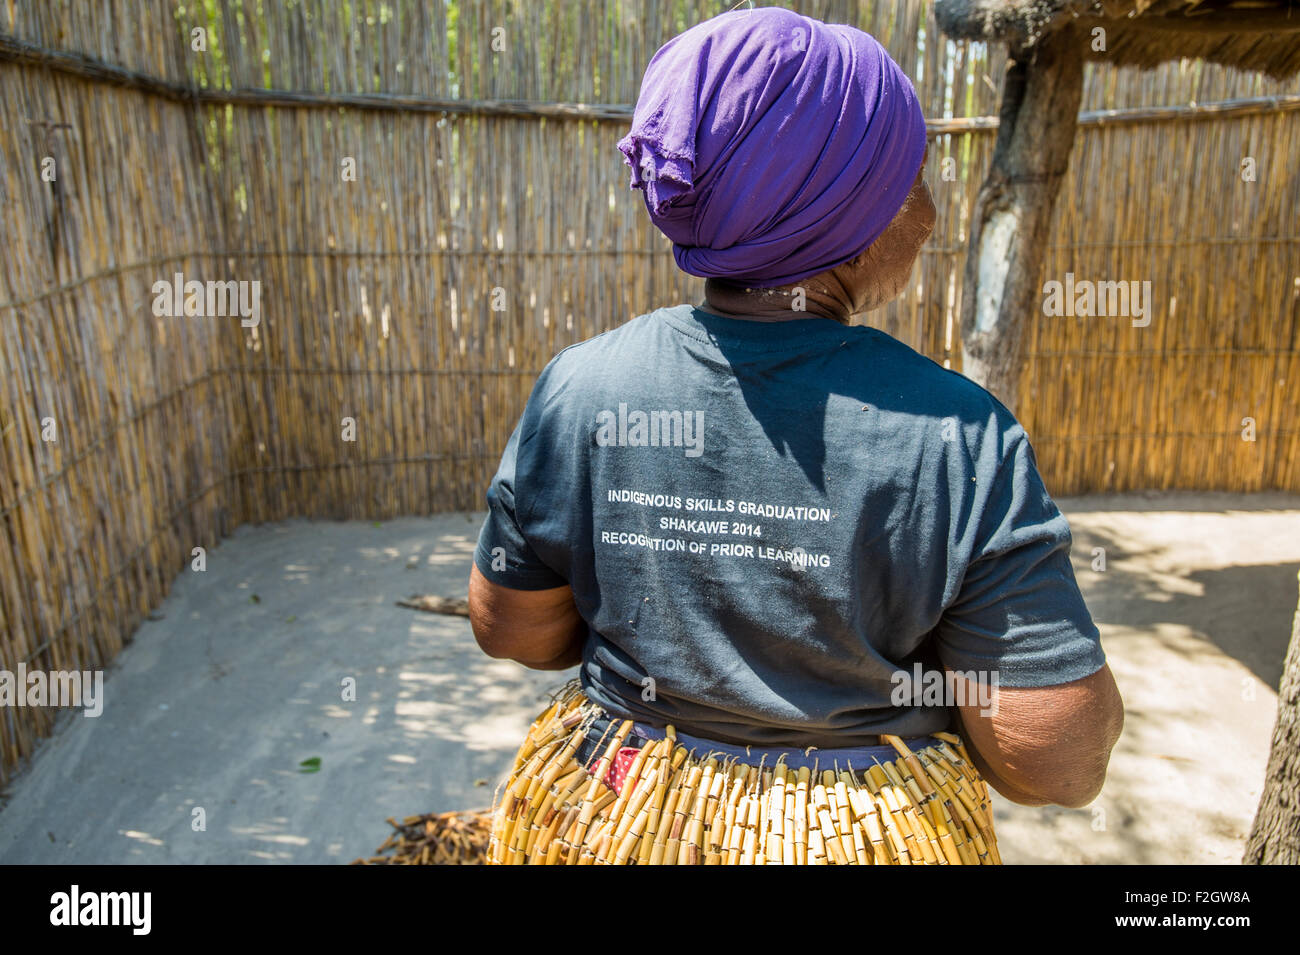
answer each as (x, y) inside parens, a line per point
(773, 304)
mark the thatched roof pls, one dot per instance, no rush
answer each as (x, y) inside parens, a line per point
(1248, 34)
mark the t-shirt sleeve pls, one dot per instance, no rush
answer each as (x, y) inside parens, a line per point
(503, 554)
(1019, 611)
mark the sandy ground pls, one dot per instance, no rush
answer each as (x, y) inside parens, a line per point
(215, 704)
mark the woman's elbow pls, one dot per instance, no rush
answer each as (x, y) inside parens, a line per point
(1051, 744)
(1081, 780)
(1076, 792)
(493, 646)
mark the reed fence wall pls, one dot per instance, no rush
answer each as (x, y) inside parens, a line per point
(489, 225)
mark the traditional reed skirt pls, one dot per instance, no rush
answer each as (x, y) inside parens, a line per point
(587, 789)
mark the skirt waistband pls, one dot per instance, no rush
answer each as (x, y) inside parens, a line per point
(855, 757)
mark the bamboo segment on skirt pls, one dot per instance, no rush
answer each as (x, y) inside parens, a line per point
(680, 807)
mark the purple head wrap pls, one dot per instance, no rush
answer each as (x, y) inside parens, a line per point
(772, 146)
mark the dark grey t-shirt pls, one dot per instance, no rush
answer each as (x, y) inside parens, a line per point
(769, 520)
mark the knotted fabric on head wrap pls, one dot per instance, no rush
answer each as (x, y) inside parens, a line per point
(772, 146)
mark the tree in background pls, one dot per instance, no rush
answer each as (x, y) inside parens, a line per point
(1275, 837)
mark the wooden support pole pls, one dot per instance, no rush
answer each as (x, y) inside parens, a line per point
(1009, 232)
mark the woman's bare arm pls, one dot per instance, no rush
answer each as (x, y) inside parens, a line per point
(1046, 744)
(540, 629)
